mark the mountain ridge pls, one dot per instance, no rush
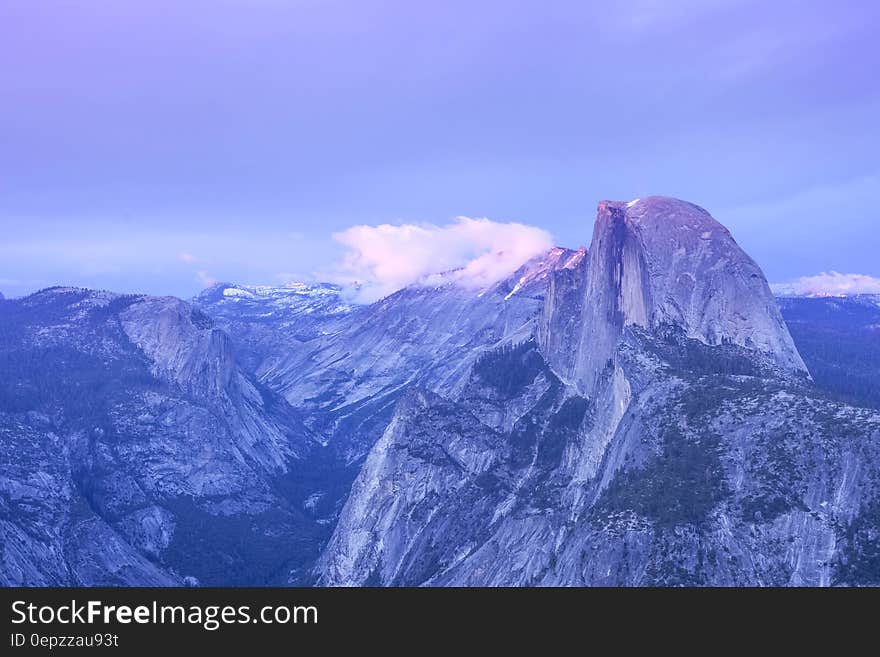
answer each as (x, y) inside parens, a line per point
(645, 373)
(446, 435)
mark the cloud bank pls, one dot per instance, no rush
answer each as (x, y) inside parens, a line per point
(476, 252)
(830, 284)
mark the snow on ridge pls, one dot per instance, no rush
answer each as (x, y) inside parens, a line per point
(237, 292)
(297, 297)
(296, 288)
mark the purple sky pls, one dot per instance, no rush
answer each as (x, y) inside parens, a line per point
(154, 145)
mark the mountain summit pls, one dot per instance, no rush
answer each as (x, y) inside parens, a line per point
(661, 261)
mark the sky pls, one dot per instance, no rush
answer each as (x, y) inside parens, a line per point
(157, 146)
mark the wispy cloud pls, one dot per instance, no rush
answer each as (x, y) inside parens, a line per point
(205, 278)
(830, 284)
(187, 258)
(385, 258)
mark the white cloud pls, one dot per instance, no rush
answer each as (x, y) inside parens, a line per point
(205, 278)
(830, 284)
(188, 258)
(383, 259)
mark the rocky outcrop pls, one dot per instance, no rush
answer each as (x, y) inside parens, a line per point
(665, 433)
(660, 261)
(130, 437)
(701, 477)
(348, 376)
(183, 346)
(270, 323)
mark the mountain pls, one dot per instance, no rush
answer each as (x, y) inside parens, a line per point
(270, 322)
(639, 412)
(137, 451)
(670, 436)
(660, 261)
(162, 428)
(352, 367)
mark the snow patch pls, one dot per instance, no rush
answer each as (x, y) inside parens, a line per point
(237, 292)
(517, 287)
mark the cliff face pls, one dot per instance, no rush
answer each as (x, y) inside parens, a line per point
(661, 429)
(347, 377)
(660, 261)
(269, 324)
(704, 478)
(135, 450)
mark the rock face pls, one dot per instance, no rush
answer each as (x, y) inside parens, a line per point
(708, 478)
(669, 434)
(348, 375)
(660, 261)
(136, 451)
(636, 413)
(270, 323)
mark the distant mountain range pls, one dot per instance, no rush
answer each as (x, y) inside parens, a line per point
(640, 412)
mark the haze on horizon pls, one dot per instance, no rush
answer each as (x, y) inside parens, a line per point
(159, 146)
